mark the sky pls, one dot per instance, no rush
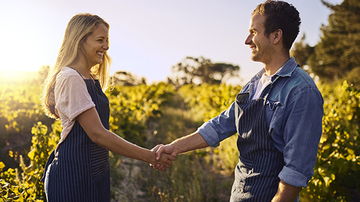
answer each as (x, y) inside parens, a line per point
(147, 37)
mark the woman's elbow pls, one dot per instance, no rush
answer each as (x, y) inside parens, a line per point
(96, 135)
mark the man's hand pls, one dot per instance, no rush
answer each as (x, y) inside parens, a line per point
(162, 161)
(161, 152)
(286, 193)
(168, 149)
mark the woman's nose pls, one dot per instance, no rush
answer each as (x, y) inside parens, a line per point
(106, 46)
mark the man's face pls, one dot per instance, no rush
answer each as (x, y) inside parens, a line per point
(260, 44)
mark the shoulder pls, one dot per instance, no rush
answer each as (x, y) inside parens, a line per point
(68, 74)
(69, 78)
(301, 80)
(301, 85)
(294, 86)
(245, 88)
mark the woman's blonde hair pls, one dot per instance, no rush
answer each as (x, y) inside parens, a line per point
(78, 29)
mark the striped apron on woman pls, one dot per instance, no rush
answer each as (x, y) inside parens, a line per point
(256, 174)
(79, 169)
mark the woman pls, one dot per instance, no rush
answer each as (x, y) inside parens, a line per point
(78, 169)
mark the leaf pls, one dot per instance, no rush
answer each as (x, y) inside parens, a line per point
(2, 166)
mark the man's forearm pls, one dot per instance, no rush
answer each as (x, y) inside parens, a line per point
(189, 143)
(286, 193)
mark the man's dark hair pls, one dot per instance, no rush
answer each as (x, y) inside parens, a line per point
(280, 15)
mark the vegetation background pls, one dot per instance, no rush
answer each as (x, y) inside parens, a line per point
(159, 113)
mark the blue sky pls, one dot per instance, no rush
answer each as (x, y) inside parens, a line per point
(147, 37)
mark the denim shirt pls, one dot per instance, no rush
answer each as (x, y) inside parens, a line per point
(293, 114)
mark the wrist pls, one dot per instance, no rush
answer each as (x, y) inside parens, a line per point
(177, 149)
(149, 157)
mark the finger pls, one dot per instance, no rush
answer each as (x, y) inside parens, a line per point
(159, 152)
(167, 163)
(171, 157)
(158, 166)
(162, 167)
(156, 147)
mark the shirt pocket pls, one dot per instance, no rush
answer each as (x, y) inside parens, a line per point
(273, 111)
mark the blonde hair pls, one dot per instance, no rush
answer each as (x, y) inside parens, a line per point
(78, 29)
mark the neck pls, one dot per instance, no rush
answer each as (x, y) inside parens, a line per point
(82, 68)
(275, 64)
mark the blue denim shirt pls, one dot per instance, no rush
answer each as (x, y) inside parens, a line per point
(293, 114)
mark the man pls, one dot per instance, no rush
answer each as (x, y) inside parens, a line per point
(277, 115)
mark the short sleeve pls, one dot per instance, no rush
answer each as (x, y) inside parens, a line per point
(71, 95)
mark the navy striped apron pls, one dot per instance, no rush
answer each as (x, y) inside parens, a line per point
(256, 174)
(79, 168)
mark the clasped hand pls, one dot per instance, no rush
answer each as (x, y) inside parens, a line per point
(165, 154)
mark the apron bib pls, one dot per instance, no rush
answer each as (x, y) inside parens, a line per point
(256, 174)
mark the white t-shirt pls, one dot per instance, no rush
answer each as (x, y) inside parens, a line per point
(264, 81)
(71, 99)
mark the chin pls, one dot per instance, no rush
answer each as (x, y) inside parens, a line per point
(254, 58)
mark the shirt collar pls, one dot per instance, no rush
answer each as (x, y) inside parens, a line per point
(286, 70)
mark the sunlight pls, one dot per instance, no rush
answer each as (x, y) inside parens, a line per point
(11, 75)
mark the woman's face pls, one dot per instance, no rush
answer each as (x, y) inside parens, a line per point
(96, 44)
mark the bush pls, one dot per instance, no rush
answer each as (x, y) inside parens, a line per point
(25, 185)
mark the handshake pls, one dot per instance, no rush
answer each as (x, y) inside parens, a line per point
(164, 156)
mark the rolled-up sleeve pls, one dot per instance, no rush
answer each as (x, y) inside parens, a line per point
(302, 132)
(219, 128)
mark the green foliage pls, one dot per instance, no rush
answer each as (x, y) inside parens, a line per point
(20, 108)
(338, 166)
(336, 56)
(190, 178)
(132, 106)
(24, 184)
(301, 51)
(212, 100)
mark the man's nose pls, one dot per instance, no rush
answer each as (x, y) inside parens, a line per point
(248, 40)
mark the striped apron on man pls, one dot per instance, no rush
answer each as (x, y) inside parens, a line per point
(256, 174)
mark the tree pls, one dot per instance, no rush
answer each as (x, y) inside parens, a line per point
(301, 51)
(336, 56)
(202, 70)
(123, 78)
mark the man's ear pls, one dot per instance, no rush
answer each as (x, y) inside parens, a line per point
(277, 36)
